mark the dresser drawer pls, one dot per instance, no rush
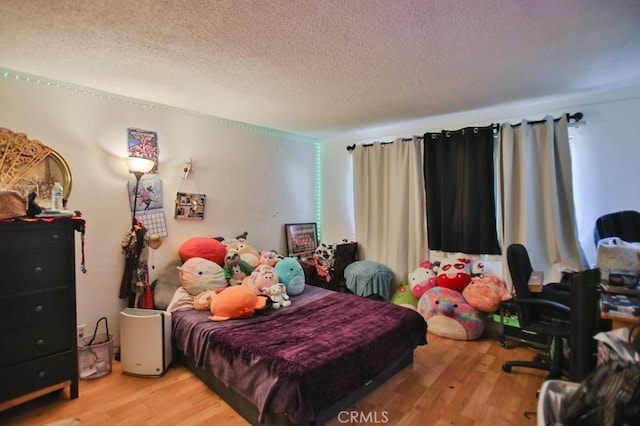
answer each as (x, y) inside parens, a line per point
(29, 310)
(35, 342)
(33, 235)
(31, 376)
(26, 270)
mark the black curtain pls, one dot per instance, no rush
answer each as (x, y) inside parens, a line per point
(459, 179)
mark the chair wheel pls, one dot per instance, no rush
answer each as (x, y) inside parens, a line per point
(503, 343)
(506, 368)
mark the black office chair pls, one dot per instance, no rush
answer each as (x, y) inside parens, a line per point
(538, 314)
(623, 224)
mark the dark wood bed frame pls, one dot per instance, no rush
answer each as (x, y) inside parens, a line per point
(250, 413)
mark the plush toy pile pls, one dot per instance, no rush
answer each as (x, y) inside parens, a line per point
(231, 279)
(454, 295)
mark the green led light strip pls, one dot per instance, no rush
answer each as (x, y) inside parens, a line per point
(22, 77)
(13, 75)
(318, 191)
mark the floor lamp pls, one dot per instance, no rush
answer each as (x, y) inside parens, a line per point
(138, 166)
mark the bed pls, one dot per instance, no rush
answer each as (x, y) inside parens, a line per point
(301, 364)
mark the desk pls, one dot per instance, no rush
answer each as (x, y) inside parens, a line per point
(619, 321)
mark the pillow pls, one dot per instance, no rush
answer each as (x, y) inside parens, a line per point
(166, 284)
(449, 315)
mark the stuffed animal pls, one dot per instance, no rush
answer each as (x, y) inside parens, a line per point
(247, 252)
(235, 269)
(198, 274)
(291, 274)
(477, 269)
(423, 278)
(202, 302)
(324, 257)
(454, 274)
(449, 315)
(204, 247)
(278, 295)
(404, 297)
(263, 276)
(235, 302)
(486, 292)
(268, 257)
(166, 284)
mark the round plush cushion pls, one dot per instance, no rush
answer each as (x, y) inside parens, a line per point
(204, 247)
(486, 293)
(449, 315)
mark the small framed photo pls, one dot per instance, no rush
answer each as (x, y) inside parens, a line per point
(302, 239)
(190, 206)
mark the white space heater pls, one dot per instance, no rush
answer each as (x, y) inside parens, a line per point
(145, 342)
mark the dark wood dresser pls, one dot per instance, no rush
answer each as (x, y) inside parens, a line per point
(38, 347)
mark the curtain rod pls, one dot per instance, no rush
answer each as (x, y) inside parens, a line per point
(575, 117)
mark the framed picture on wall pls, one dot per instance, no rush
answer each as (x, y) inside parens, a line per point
(190, 206)
(302, 239)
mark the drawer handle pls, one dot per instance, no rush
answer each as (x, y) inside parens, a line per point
(40, 342)
(54, 237)
(37, 269)
(39, 308)
(41, 375)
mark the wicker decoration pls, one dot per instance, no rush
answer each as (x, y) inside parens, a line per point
(18, 155)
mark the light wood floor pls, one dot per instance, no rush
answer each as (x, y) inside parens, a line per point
(450, 383)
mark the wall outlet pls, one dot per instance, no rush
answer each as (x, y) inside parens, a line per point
(80, 331)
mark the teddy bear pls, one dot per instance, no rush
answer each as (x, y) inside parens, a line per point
(247, 252)
(449, 315)
(263, 276)
(198, 274)
(454, 274)
(235, 269)
(291, 274)
(278, 294)
(423, 278)
(236, 302)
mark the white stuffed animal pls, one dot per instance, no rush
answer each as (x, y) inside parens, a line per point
(278, 295)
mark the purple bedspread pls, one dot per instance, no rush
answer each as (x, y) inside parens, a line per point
(326, 345)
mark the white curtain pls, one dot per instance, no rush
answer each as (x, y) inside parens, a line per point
(536, 190)
(390, 209)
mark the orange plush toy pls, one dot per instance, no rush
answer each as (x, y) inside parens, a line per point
(235, 302)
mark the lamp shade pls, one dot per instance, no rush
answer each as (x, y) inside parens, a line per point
(139, 164)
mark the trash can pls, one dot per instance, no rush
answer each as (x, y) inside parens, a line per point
(95, 353)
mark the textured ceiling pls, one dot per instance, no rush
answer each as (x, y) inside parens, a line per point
(322, 67)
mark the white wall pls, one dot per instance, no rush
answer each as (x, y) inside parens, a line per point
(606, 155)
(255, 179)
(258, 179)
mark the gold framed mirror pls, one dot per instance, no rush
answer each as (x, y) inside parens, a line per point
(28, 165)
